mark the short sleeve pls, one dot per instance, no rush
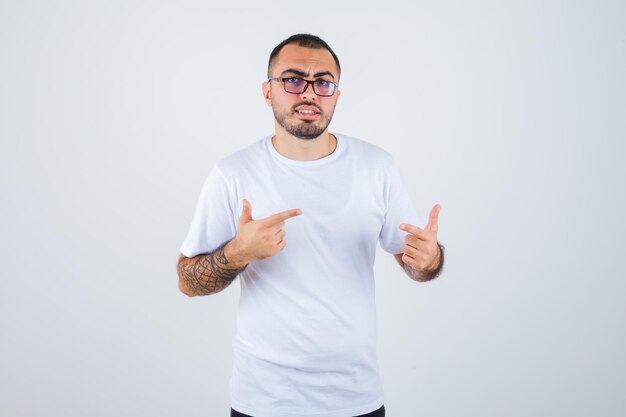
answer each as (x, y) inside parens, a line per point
(213, 221)
(399, 209)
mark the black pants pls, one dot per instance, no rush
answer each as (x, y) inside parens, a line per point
(378, 413)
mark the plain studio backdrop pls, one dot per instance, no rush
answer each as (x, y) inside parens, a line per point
(510, 114)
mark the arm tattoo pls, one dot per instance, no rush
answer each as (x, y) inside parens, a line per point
(208, 273)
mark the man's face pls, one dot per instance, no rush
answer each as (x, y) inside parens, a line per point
(293, 111)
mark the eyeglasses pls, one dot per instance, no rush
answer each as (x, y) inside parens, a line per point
(296, 85)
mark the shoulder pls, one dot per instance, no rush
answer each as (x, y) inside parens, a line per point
(242, 158)
(372, 154)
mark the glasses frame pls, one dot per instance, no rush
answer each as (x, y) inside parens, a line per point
(311, 82)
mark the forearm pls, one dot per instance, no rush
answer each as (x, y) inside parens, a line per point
(212, 272)
(430, 273)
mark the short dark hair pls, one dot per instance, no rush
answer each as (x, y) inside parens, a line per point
(305, 40)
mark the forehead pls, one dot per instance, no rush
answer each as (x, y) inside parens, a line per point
(305, 59)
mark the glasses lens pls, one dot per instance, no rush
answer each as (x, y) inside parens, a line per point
(295, 85)
(323, 88)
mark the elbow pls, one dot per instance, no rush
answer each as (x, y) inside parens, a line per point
(182, 285)
(184, 289)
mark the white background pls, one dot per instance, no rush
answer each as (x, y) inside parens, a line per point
(510, 114)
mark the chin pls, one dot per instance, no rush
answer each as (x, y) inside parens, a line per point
(306, 134)
(303, 129)
(307, 137)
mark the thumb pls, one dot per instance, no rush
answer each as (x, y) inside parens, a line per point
(246, 213)
(433, 219)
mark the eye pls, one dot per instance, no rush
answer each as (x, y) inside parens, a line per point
(322, 83)
(293, 80)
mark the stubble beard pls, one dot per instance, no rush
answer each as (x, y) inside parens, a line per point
(302, 129)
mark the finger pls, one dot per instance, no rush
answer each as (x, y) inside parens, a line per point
(411, 251)
(433, 219)
(280, 235)
(414, 230)
(246, 212)
(425, 253)
(407, 259)
(282, 216)
(415, 260)
(417, 243)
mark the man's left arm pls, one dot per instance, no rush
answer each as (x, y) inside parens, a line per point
(422, 256)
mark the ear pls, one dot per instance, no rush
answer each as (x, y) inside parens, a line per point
(266, 93)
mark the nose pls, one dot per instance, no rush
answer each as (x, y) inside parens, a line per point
(308, 92)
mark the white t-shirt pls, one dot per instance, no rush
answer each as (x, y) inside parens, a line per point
(306, 324)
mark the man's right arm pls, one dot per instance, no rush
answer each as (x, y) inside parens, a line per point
(211, 272)
(256, 239)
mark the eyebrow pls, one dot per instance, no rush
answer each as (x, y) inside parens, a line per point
(306, 74)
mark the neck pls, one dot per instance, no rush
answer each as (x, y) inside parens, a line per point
(298, 149)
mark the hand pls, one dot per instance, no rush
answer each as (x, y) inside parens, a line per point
(260, 239)
(421, 251)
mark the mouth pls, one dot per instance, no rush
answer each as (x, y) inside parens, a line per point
(307, 112)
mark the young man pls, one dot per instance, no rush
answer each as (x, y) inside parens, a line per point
(297, 216)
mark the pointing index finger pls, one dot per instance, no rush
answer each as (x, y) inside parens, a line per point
(414, 230)
(282, 216)
(410, 228)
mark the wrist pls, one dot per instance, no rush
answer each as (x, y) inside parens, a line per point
(435, 270)
(237, 254)
(434, 265)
